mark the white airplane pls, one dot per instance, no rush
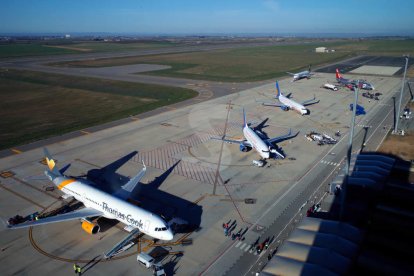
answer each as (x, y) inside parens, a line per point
(286, 103)
(301, 75)
(99, 203)
(257, 140)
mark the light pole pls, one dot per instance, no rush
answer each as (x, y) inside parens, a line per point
(349, 152)
(401, 95)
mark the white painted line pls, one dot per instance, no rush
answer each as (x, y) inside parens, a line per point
(244, 245)
(247, 248)
(238, 244)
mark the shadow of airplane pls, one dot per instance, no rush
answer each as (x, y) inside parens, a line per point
(106, 178)
(168, 205)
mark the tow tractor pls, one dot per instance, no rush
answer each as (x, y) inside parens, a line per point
(258, 163)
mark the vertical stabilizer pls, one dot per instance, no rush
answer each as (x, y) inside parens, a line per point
(244, 119)
(277, 90)
(51, 164)
(338, 75)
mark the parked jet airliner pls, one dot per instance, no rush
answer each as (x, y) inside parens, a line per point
(257, 140)
(363, 84)
(286, 103)
(301, 75)
(99, 203)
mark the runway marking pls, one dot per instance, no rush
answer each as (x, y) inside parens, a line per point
(329, 163)
(34, 187)
(167, 154)
(22, 196)
(6, 174)
(16, 151)
(85, 132)
(134, 118)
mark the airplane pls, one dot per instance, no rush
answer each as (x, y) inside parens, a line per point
(286, 103)
(351, 84)
(102, 204)
(254, 138)
(301, 75)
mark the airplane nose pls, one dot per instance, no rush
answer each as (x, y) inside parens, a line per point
(169, 235)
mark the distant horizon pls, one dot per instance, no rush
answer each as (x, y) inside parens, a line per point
(252, 35)
(185, 17)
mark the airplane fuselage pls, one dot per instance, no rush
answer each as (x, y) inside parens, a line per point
(114, 208)
(301, 75)
(257, 143)
(293, 105)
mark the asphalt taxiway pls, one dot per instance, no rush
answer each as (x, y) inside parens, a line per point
(202, 180)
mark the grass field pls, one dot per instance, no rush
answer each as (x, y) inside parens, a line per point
(36, 105)
(59, 48)
(17, 50)
(240, 64)
(255, 63)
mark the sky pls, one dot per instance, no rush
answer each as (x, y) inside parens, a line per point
(393, 17)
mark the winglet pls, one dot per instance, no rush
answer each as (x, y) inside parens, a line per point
(277, 90)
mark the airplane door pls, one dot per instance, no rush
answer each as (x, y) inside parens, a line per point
(146, 226)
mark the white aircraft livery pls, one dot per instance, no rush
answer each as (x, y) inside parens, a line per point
(254, 138)
(301, 75)
(100, 203)
(286, 103)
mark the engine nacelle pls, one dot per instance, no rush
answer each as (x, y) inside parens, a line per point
(90, 228)
(244, 148)
(284, 108)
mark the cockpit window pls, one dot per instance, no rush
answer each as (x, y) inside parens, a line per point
(164, 229)
(157, 229)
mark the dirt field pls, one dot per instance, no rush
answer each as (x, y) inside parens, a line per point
(401, 146)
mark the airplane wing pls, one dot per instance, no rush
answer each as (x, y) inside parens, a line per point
(292, 74)
(78, 214)
(127, 189)
(282, 137)
(311, 101)
(229, 140)
(272, 104)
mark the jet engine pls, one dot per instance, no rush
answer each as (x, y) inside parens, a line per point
(284, 108)
(244, 148)
(89, 227)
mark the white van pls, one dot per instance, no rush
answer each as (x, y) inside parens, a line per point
(145, 259)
